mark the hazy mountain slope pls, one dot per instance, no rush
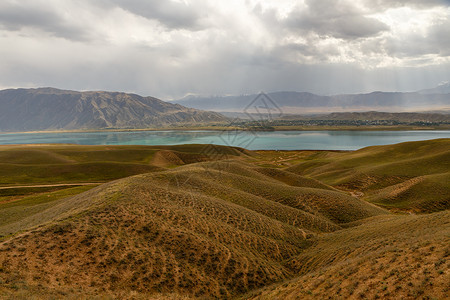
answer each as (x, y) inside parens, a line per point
(443, 88)
(375, 115)
(300, 102)
(52, 109)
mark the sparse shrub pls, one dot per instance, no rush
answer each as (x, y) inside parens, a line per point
(439, 263)
(447, 252)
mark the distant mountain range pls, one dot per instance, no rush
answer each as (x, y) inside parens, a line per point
(408, 117)
(443, 88)
(307, 103)
(53, 109)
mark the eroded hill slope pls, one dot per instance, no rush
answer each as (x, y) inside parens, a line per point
(198, 227)
(214, 229)
(409, 176)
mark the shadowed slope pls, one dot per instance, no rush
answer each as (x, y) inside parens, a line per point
(421, 194)
(388, 257)
(293, 179)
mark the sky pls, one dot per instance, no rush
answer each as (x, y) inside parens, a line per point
(173, 48)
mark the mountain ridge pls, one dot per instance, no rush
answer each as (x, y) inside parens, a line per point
(443, 88)
(55, 109)
(303, 102)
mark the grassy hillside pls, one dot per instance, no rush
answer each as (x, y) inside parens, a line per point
(36, 177)
(214, 229)
(225, 223)
(427, 193)
(51, 164)
(387, 257)
(412, 176)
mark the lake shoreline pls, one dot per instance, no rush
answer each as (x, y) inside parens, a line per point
(251, 140)
(230, 128)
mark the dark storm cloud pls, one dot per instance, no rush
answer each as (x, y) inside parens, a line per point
(341, 20)
(172, 14)
(16, 15)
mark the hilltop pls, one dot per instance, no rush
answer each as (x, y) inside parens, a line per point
(53, 109)
(247, 224)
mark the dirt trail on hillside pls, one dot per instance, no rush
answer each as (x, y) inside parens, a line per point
(49, 185)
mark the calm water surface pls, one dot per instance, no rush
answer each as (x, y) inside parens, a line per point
(279, 140)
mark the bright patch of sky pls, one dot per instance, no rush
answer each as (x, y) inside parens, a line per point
(171, 48)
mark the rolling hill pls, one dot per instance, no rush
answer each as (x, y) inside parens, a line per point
(386, 257)
(208, 237)
(411, 176)
(243, 226)
(53, 109)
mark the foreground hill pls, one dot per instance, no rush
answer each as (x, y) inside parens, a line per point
(53, 109)
(211, 229)
(233, 227)
(36, 177)
(387, 257)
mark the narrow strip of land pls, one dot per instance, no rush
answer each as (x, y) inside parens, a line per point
(48, 185)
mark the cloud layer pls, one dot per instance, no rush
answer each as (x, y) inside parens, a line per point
(174, 47)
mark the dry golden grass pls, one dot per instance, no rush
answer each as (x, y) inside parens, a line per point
(220, 234)
(420, 194)
(196, 228)
(47, 164)
(410, 176)
(388, 257)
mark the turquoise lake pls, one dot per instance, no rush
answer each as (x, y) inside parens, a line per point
(277, 140)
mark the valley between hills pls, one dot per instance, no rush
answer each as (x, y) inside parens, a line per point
(216, 222)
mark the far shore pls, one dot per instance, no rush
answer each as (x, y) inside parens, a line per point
(231, 128)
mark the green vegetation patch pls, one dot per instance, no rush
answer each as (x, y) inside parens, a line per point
(17, 210)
